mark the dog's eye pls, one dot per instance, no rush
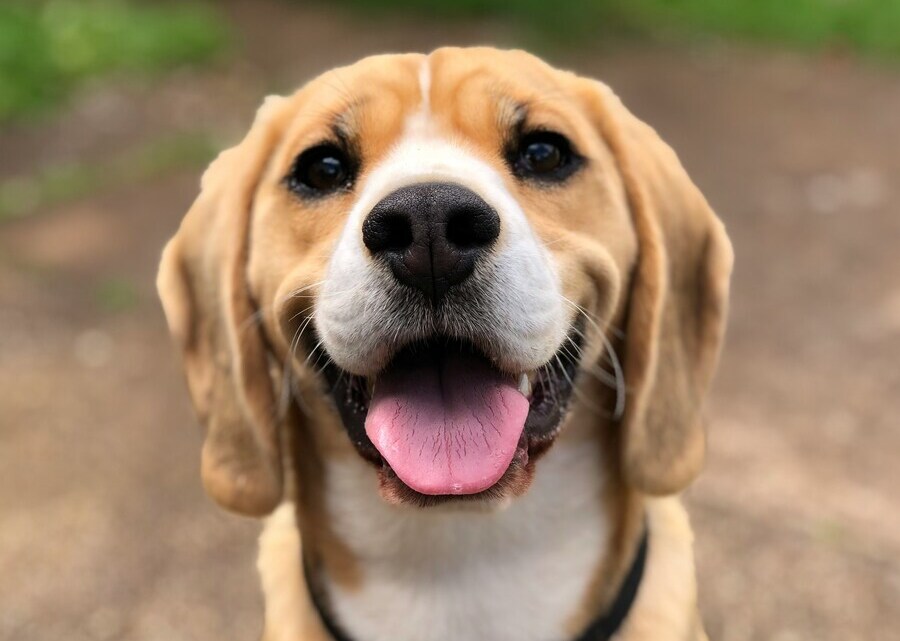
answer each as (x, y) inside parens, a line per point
(544, 155)
(320, 170)
(541, 156)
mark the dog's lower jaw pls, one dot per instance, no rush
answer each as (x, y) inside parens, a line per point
(473, 570)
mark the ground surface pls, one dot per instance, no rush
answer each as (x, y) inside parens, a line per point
(104, 530)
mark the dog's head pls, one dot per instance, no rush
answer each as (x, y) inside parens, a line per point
(444, 244)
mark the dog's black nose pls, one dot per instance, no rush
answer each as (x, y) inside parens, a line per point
(431, 235)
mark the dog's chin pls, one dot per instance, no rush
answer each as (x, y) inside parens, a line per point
(548, 391)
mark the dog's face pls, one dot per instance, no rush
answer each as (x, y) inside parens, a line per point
(442, 245)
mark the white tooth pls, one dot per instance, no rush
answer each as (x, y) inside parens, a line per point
(525, 385)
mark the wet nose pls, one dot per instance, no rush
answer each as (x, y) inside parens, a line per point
(431, 235)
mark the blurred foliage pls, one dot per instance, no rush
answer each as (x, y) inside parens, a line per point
(574, 20)
(51, 185)
(868, 26)
(116, 295)
(48, 47)
(871, 27)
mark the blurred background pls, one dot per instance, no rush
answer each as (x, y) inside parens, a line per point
(786, 114)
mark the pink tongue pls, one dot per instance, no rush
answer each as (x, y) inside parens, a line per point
(447, 427)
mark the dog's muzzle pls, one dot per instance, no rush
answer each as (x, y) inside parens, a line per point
(447, 380)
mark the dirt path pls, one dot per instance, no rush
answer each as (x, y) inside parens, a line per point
(104, 531)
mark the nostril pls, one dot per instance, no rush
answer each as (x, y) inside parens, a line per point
(387, 232)
(471, 228)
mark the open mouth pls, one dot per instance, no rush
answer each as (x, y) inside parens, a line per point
(442, 421)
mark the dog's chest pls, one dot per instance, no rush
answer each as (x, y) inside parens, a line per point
(518, 572)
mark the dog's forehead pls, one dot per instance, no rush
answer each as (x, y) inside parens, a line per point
(468, 91)
(457, 74)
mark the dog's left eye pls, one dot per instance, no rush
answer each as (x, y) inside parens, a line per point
(320, 170)
(544, 155)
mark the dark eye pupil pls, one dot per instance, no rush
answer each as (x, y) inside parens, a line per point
(326, 173)
(543, 156)
(320, 170)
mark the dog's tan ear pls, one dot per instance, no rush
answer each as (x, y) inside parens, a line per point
(677, 307)
(203, 286)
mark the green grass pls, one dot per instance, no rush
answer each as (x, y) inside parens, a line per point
(114, 295)
(870, 27)
(48, 47)
(23, 195)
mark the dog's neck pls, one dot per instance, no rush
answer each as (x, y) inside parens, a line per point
(530, 569)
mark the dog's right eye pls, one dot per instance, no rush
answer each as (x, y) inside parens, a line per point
(320, 170)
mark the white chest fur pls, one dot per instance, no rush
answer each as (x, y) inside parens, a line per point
(516, 571)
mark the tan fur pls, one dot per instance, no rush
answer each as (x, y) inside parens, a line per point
(634, 245)
(204, 292)
(679, 301)
(661, 612)
(288, 615)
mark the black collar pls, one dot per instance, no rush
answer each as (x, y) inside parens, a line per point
(601, 629)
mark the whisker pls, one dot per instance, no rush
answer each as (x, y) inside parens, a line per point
(287, 369)
(558, 239)
(610, 352)
(315, 366)
(595, 370)
(259, 314)
(252, 320)
(619, 410)
(579, 393)
(295, 342)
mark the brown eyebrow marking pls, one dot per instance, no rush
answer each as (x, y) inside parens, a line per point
(520, 114)
(343, 128)
(342, 131)
(511, 117)
(511, 114)
(343, 123)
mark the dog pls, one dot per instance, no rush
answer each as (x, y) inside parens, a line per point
(448, 321)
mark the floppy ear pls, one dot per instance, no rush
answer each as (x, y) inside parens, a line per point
(677, 306)
(203, 286)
